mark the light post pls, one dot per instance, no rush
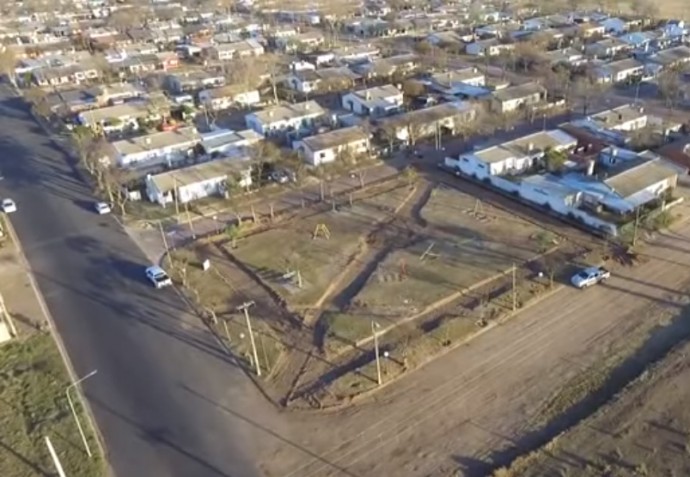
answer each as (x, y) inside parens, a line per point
(74, 412)
(375, 325)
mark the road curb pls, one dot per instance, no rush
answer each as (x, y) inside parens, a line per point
(60, 345)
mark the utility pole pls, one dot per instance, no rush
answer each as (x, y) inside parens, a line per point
(245, 308)
(375, 325)
(54, 456)
(165, 240)
(177, 204)
(514, 289)
(74, 411)
(189, 220)
(637, 223)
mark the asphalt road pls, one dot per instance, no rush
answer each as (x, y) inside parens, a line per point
(163, 386)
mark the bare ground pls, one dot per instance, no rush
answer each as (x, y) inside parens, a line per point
(475, 407)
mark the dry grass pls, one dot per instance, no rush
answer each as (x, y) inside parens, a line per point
(33, 405)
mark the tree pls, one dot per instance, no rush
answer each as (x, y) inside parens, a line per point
(412, 89)
(38, 99)
(8, 62)
(555, 159)
(670, 87)
(113, 182)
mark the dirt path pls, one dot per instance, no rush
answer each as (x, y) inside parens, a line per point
(482, 398)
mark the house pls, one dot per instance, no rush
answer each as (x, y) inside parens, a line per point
(622, 118)
(411, 126)
(159, 148)
(121, 116)
(217, 99)
(639, 40)
(448, 38)
(610, 127)
(617, 25)
(229, 143)
(607, 48)
(514, 97)
(488, 47)
(300, 42)
(167, 60)
(190, 80)
(512, 157)
(619, 71)
(285, 118)
(590, 29)
(62, 75)
(387, 67)
(671, 58)
(457, 82)
(637, 181)
(677, 152)
(305, 81)
(215, 177)
(356, 53)
(566, 56)
(327, 147)
(228, 51)
(377, 101)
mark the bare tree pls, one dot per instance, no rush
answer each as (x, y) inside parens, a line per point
(38, 99)
(8, 62)
(669, 84)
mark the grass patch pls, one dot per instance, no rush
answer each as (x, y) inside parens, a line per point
(33, 405)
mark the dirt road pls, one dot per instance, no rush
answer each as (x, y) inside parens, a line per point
(486, 397)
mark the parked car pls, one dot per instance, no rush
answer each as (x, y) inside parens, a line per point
(8, 206)
(590, 276)
(102, 208)
(158, 277)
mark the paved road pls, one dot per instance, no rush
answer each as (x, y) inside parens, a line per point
(154, 360)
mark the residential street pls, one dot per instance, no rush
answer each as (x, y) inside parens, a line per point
(149, 352)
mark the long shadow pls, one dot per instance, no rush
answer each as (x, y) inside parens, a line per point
(662, 341)
(271, 432)
(158, 436)
(32, 465)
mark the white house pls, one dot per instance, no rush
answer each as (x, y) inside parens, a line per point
(488, 47)
(512, 157)
(165, 147)
(327, 147)
(225, 97)
(622, 118)
(377, 101)
(229, 143)
(456, 82)
(195, 182)
(413, 125)
(241, 49)
(284, 118)
(619, 71)
(305, 81)
(514, 97)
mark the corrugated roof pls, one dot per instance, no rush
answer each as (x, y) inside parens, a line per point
(218, 168)
(337, 137)
(640, 177)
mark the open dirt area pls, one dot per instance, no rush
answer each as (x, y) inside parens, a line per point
(412, 269)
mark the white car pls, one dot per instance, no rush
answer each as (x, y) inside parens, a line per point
(102, 208)
(158, 277)
(590, 276)
(8, 206)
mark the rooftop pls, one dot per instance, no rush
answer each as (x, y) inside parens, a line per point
(337, 137)
(158, 140)
(613, 118)
(284, 112)
(641, 176)
(132, 109)
(428, 115)
(378, 93)
(214, 169)
(447, 78)
(519, 91)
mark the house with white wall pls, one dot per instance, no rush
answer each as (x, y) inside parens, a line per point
(619, 71)
(159, 148)
(240, 49)
(284, 118)
(237, 95)
(213, 178)
(413, 125)
(328, 147)
(456, 82)
(305, 81)
(121, 117)
(375, 102)
(488, 47)
(229, 143)
(512, 98)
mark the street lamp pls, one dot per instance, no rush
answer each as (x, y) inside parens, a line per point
(74, 412)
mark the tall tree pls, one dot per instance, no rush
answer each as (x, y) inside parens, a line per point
(670, 87)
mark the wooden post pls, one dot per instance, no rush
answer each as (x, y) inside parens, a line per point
(271, 211)
(227, 331)
(350, 198)
(299, 279)
(514, 289)
(361, 179)
(177, 204)
(189, 220)
(254, 214)
(637, 223)
(321, 190)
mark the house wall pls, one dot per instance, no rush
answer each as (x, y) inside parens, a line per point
(325, 156)
(154, 157)
(514, 104)
(277, 127)
(200, 189)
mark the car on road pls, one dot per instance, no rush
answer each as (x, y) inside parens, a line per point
(158, 277)
(102, 208)
(590, 276)
(8, 206)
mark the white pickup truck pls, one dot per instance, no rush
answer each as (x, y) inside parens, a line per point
(590, 276)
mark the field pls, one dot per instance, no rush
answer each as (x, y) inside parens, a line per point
(33, 405)
(419, 266)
